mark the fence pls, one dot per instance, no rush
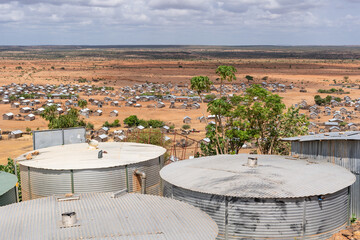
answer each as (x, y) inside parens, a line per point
(48, 138)
(179, 146)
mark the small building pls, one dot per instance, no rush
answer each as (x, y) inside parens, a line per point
(102, 138)
(98, 112)
(30, 117)
(187, 120)
(15, 134)
(15, 105)
(114, 113)
(25, 110)
(334, 129)
(103, 130)
(8, 116)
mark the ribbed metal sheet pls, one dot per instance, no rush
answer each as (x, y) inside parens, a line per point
(151, 169)
(341, 152)
(8, 197)
(100, 180)
(132, 216)
(254, 218)
(44, 182)
(274, 177)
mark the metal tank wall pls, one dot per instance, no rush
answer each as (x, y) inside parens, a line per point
(8, 198)
(37, 183)
(249, 218)
(340, 152)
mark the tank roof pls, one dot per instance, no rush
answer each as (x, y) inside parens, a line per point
(79, 156)
(274, 177)
(100, 216)
(349, 135)
(7, 182)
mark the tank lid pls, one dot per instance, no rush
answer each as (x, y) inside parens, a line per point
(7, 182)
(100, 216)
(273, 177)
(79, 156)
(349, 135)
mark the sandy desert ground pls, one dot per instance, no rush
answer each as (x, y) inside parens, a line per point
(310, 74)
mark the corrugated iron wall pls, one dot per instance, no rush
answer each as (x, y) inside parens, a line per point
(8, 198)
(340, 152)
(38, 183)
(239, 218)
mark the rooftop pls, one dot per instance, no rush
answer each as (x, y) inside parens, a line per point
(274, 177)
(100, 216)
(79, 156)
(8, 181)
(348, 135)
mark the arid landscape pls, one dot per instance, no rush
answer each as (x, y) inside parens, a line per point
(304, 68)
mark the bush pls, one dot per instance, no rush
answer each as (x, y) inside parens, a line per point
(90, 126)
(132, 121)
(186, 126)
(116, 123)
(155, 123)
(210, 97)
(28, 129)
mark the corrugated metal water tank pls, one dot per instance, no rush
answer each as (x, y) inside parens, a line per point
(105, 216)
(76, 168)
(340, 148)
(279, 198)
(8, 183)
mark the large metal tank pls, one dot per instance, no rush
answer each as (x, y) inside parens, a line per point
(78, 168)
(105, 216)
(340, 148)
(277, 198)
(8, 183)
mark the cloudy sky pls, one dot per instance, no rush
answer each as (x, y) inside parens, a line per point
(193, 22)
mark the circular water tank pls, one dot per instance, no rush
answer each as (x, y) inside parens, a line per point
(79, 168)
(103, 216)
(265, 196)
(8, 183)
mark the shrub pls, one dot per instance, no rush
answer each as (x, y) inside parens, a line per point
(186, 126)
(132, 121)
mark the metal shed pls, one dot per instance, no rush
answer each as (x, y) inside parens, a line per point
(103, 216)
(76, 168)
(8, 183)
(279, 198)
(340, 148)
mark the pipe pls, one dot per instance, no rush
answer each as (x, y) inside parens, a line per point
(143, 180)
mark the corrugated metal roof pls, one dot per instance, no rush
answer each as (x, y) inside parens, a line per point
(274, 177)
(349, 135)
(131, 216)
(79, 156)
(7, 182)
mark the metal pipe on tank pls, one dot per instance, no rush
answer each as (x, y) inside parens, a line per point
(143, 180)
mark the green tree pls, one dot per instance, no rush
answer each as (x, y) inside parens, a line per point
(225, 73)
(82, 103)
(71, 119)
(132, 121)
(258, 116)
(201, 84)
(268, 122)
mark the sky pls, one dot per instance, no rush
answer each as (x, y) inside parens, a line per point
(180, 22)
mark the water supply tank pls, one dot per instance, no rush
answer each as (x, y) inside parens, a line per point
(8, 183)
(80, 168)
(340, 148)
(264, 196)
(105, 216)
